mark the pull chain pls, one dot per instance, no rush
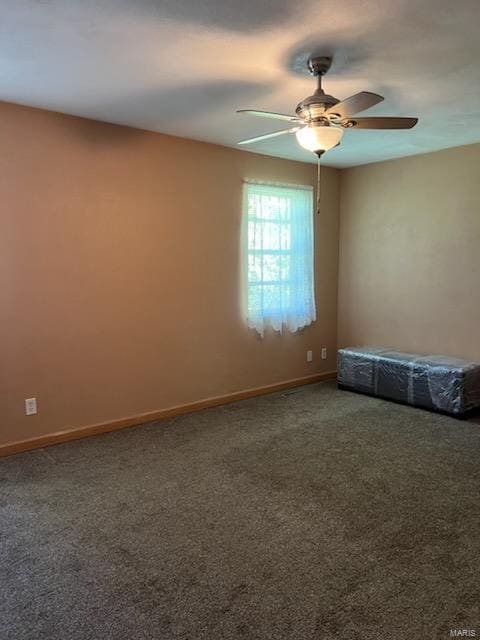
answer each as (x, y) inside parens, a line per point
(318, 185)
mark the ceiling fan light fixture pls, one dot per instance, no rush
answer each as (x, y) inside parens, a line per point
(321, 118)
(319, 137)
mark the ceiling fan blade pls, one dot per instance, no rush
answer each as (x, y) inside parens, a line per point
(269, 114)
(379, 123)
(358, 102)
(266, 136)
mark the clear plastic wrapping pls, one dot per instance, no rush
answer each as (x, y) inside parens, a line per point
(446, 384)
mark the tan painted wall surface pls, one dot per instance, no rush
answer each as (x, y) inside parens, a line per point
(410, 254)
(119, 270)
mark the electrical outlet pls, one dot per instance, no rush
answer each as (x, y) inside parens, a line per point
(324, 353)
(309, 355)
(30, 406)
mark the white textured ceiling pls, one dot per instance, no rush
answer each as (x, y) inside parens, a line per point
(183, 66)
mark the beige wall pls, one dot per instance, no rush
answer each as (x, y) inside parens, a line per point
(410, 253)
(119, 271)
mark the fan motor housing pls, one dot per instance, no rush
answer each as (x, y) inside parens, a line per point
(313, 107)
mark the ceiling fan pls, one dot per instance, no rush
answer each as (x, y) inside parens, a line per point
(321, 119)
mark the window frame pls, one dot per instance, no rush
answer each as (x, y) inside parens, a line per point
(308, 257)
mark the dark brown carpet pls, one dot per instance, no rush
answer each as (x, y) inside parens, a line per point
(315, 514)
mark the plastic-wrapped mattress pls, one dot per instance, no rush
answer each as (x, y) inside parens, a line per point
(442, 383)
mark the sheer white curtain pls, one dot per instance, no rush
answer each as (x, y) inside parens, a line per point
(277, 243)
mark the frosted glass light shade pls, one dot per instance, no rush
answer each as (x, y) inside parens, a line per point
(319, 137)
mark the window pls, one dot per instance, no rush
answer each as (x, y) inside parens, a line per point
(278, 238)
